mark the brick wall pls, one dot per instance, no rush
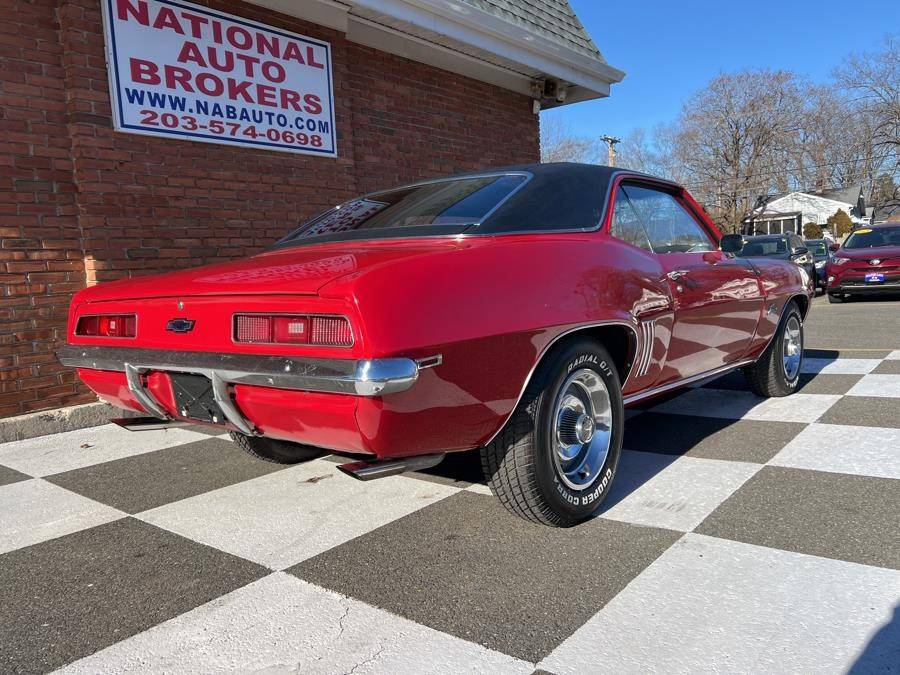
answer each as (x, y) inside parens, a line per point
(80, 203)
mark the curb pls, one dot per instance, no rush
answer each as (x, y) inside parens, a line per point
(57, 421)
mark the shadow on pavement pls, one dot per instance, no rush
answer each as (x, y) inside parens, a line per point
(882, 654)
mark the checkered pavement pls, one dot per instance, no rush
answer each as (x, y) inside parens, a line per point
(741, 535)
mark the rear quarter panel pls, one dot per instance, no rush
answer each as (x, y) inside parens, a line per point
(489, 308)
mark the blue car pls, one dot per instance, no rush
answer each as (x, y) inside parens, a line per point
(821, 255)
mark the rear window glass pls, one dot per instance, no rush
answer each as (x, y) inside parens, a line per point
(763, 248)
(443, 207)
(817, 248)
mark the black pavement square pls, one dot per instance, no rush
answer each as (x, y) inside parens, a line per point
(831, 515)
(888, 367)
(865, 411)
(708, 437)
(8, 476)
(145, 481)
(65, 598)
(466, 567)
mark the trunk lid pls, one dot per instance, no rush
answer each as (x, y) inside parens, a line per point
(299, 270)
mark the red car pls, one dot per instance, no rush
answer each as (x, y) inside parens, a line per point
(868, 262)
(514, 310)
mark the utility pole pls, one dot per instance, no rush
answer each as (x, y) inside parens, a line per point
(611, 148)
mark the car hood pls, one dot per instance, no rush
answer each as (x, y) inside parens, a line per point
(877, 252)
(298, 270)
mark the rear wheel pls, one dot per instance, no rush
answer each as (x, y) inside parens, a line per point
(555, 459)
(777, 371)
(274, 450)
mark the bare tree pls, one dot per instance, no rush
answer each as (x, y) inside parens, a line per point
(873, 82)
(559, 144)
(734, 137)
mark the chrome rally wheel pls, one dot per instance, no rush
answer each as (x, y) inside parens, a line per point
(583, 428)
(777, 370)
(792, 347)
(555, 458)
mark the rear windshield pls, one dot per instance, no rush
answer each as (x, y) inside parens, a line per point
(442, 207)
(763, 248)
(866, 238)
(817, 248)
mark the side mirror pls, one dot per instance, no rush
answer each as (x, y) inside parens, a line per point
(800, 250)
(833, 247)
(731, 243)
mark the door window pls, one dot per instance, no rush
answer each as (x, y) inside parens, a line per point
(669, 227)
(626, 225)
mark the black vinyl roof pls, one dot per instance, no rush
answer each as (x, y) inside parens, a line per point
(559, 196)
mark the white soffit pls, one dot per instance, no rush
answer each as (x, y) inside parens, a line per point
(460, 38)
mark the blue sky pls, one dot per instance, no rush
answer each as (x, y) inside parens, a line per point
(670, 49)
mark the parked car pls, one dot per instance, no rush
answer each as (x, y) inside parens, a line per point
(780, 247)
(868, 262)
(515, 311)
(821, 253)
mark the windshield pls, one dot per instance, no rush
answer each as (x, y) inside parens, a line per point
(441, 207)
(763, 248)
(873, 238)
(817, 248)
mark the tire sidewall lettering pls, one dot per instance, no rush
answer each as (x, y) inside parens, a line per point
(588, 499)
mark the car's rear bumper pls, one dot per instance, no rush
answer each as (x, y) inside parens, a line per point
(356, 377)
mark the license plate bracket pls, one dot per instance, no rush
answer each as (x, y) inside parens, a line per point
(194, 398)
(874, 277)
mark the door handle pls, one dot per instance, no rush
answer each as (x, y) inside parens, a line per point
(675, 275)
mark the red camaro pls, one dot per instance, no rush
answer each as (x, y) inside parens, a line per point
(514, 310)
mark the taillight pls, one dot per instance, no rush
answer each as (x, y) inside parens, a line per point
(323, 331)
(107, 325)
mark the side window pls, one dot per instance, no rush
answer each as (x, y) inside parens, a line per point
(669, 226)
(625, 223)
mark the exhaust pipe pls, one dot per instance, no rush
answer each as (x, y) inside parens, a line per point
(148, 423)
(390, 467)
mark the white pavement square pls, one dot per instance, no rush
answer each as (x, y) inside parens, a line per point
(878, 385)
(676, 493)
(288, 516)
(282, 624)
(745, 405)
(712, 605)
(56, 453)
(864, 451)
(839, 366)
(32, 511)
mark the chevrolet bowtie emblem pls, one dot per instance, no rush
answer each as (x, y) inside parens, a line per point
(874, 261)
(180, 325)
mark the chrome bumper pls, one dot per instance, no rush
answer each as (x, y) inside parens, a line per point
(360, 377)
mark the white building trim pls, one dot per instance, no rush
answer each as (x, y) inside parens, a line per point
(462, 39)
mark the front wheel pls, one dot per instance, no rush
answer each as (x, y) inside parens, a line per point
(835, 298)
(777, 371)
(555, 459)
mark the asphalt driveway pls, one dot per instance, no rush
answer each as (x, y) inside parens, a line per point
(742, 535)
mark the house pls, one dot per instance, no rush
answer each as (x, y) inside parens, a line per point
(789, 213)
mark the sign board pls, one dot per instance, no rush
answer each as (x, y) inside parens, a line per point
(181, 70)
